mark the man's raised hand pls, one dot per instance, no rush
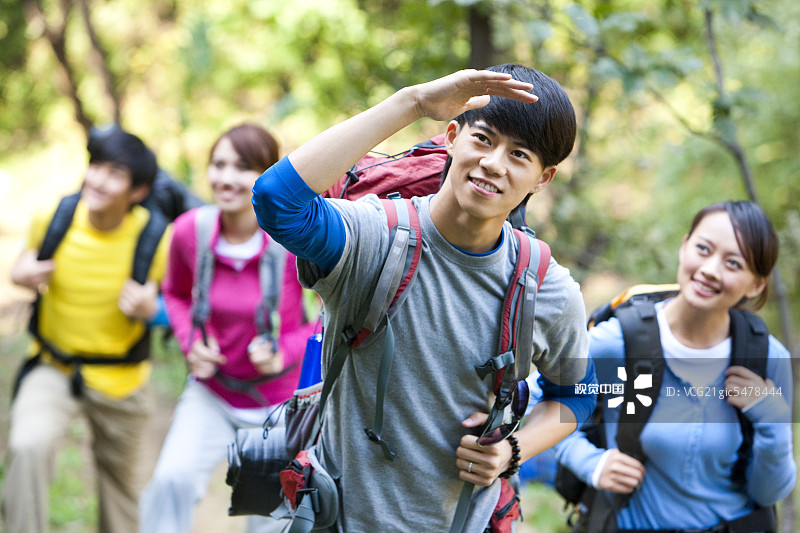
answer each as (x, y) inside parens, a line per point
(448, 97)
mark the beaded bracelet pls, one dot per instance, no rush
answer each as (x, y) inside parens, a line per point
(513, 467)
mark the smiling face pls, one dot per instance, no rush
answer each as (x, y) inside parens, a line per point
(712, 271)
(230, 179)
(108, 189)
(491, 173)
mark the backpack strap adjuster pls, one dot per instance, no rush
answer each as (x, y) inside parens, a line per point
(371, 435)
(493, 364)
(313, 494)
(348, 334)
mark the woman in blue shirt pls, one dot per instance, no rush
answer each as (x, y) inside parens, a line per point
(692, 437)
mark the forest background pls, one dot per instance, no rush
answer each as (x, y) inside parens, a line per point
(680, 103)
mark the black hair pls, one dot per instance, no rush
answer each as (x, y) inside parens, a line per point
(756, 236)
(114, 145)
(548, 126)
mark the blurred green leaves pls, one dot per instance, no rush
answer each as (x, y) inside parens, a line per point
(641, 76)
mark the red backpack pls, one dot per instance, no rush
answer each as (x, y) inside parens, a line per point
(414, 172)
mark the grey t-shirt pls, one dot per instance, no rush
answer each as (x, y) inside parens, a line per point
(449, 323)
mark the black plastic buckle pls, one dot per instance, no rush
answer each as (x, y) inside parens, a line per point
(504, 397)
(352, 175)
(348, 334)
(644, 366)
(493, 364)
(371, 435)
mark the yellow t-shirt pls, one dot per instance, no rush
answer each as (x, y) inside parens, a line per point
(78, 312)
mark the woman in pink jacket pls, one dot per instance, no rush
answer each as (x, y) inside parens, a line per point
(238, 371)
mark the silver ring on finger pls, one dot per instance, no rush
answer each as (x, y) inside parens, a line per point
(469, 468)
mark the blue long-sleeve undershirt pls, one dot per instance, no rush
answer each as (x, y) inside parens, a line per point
(581, 405)
(297, 217)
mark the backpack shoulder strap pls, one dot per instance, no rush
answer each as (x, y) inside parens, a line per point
(519, 311)
(402, 212)
(146, 246)
(59, 224)
(644, 372)
(206, 217)
(271, 266)
(519, 306)
(56, 229)
(749, 348)
(749, 341)
(397, 275)
(399, 268)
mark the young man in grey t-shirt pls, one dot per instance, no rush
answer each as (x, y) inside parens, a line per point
(503, 146)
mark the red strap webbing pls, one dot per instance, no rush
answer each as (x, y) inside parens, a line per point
(513, 299)
(392, 220)
(413, 219)
(523, 259)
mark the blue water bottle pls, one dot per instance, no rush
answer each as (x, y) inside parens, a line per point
(311, 373)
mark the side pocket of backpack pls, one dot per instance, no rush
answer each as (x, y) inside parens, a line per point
(507, 510)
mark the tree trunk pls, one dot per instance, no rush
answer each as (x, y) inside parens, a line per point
(57, 38)
(482, 52)
(101, 61)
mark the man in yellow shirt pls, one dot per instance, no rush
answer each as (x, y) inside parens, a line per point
(92, 324)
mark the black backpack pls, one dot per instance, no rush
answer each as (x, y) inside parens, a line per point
(170, 196)
(635, 310)
(146, 247)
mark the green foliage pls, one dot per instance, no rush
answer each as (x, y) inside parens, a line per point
(641, 76)
(541, 510)
(645, 82)
(170, 371)
(73, 507)
(22, 98)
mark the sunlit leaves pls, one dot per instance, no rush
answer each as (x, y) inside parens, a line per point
(639, 74)
(584, 21)
(623, 22)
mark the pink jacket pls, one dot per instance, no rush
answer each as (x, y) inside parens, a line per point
(234, 296)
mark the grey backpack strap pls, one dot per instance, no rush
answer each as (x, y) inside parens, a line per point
(523, 322)
(304, 516)
(396, 278)
(538, 264)
(519, 308)
(397, 274)
(271, 267)
(519, 312)
(462, 508)
(205, 221)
